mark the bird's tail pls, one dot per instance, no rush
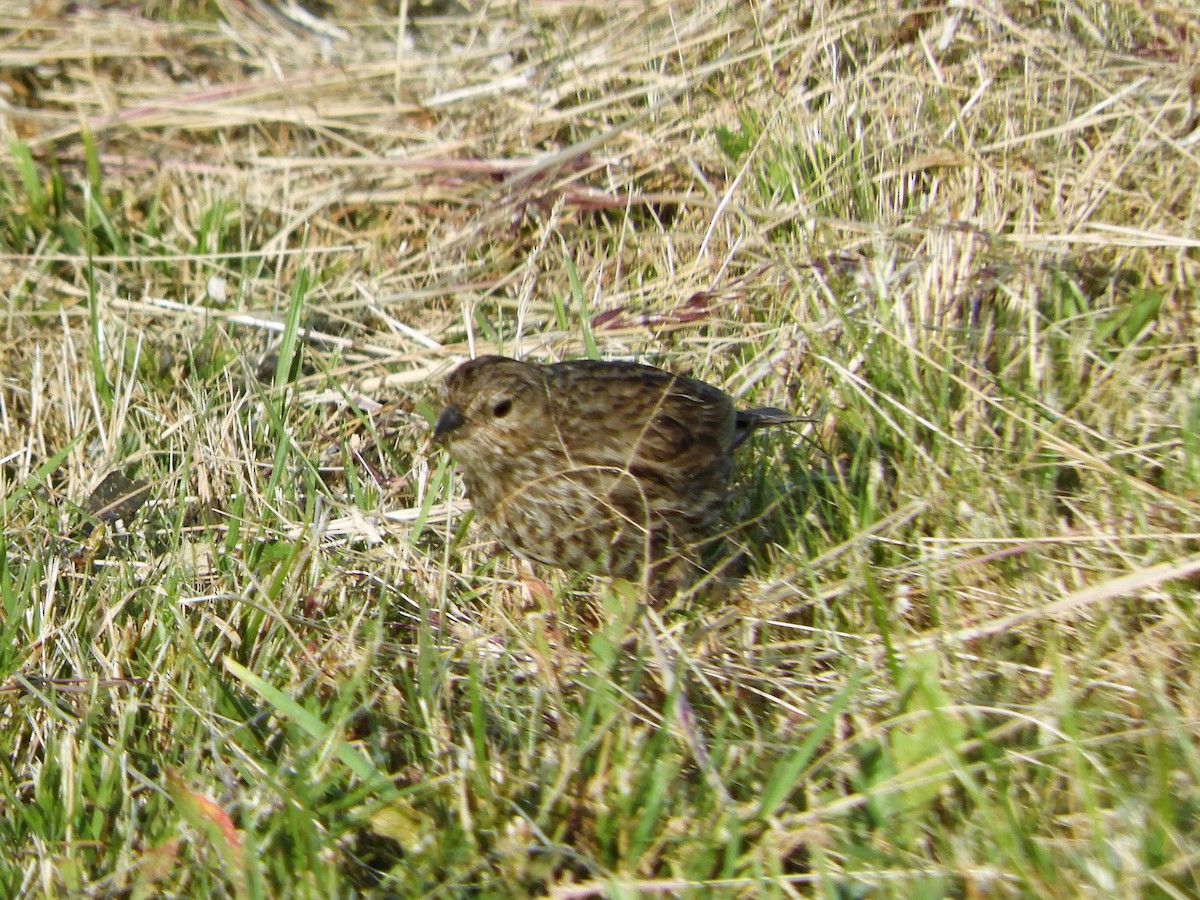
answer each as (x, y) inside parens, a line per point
(750, 419)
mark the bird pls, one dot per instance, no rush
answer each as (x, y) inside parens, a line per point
(604, 467)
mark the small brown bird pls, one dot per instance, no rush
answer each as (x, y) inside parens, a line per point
(609, 467)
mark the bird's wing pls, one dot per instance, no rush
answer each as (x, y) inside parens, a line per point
(642, 417)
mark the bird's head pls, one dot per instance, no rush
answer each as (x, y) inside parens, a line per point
(494, 406)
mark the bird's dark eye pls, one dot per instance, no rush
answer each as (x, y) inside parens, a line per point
(503, 408)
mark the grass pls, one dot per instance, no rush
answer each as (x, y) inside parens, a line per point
(253, 646)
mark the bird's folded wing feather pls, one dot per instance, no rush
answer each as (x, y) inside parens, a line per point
(685, 426)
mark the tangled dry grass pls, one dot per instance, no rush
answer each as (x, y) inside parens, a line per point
(251, 644)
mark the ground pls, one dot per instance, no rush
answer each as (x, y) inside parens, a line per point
(252, 643)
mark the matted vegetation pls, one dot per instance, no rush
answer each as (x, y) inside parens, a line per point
(251, 643)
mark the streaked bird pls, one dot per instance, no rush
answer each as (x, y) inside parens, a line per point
(608, 467)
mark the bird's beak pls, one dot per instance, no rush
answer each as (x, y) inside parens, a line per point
(450, 418)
